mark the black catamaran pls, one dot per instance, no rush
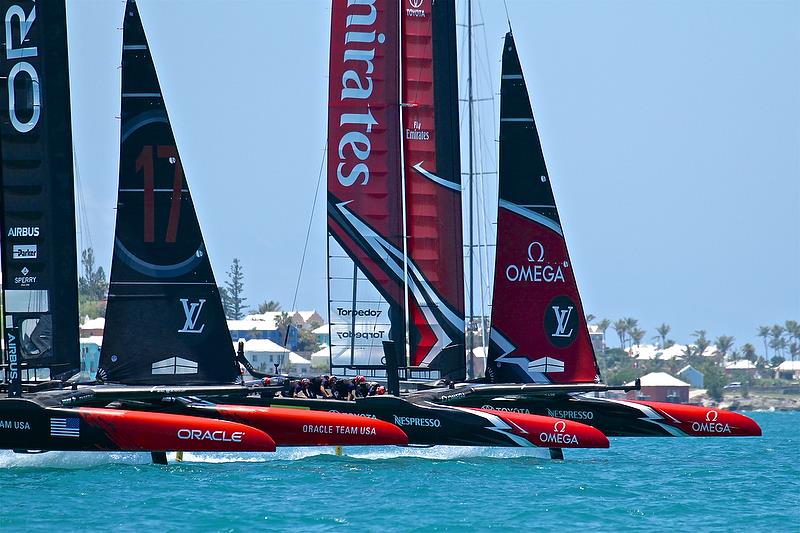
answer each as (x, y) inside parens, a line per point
(129, 414)
(165, 323)
(395, 253)
(540, 356)
(40, 313)
(382, 286)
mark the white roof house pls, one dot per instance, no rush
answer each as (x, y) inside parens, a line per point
(789, 366)
(299, 318)
(93, 324)
(742, 364)
(659, 379)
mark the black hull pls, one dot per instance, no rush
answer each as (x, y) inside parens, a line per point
(425, 423)
(626, 418)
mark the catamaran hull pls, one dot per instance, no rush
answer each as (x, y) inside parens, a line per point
(27, 425)
(630, 418)
(304, 427)
(428, 424)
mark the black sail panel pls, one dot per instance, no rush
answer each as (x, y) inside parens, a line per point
(539, 332)
(38, 225)
(164, 321)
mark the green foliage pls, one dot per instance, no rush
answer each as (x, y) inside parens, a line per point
(91, 308)
(232, 295)
(307, 342)
(714, 379)
(283, 322)
(619, 376)
(92, 284)
(268, 306)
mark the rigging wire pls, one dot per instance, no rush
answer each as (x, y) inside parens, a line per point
(308, 235)
(84, 229)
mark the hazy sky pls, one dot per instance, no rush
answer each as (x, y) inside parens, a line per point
(671, 132)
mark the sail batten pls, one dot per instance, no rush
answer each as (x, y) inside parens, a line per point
(164, 321)
(539, 332)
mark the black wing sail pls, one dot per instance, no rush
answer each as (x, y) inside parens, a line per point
(164, 321)
(539, 333)
(40, 289)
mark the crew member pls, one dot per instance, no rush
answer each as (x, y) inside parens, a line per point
(361, 388)
(344, 389)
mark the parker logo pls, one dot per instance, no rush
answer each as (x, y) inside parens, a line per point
(24, 251)
(561, 321)
(24, 231)
(192, 311)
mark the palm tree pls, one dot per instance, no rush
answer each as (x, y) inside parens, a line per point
(283, 322)
(794, 350)
(749, 352)
(778, 344)
(763, 332)
(776, 332)
(621, 327)
(589, 318)
(268, 306)
(663, 330)
(724, 343)
(603, 325)
(637, 335)
(792, 327)
(700, 341)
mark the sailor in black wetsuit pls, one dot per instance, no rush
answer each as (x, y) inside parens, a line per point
(343, 389)
(362, 389)
(309, 389)
(325, 387)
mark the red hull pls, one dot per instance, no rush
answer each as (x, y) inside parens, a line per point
(549, 432)
(299, 427)
(146, 431)
(695, 421)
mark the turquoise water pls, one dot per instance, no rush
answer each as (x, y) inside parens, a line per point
(715, 484)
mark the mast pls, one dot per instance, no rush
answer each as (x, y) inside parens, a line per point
(39, 267)
(470, 333)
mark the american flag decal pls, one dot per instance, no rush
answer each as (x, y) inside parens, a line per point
(65, 427)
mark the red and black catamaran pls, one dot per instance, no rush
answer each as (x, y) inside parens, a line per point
(395, 245)
(167, 337)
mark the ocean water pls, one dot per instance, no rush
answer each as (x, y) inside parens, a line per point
(656, 484)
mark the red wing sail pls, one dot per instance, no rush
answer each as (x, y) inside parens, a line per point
(539, 332)
(433, 190)
(365, 223)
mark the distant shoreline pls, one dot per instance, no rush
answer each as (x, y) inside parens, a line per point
(753, 402)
